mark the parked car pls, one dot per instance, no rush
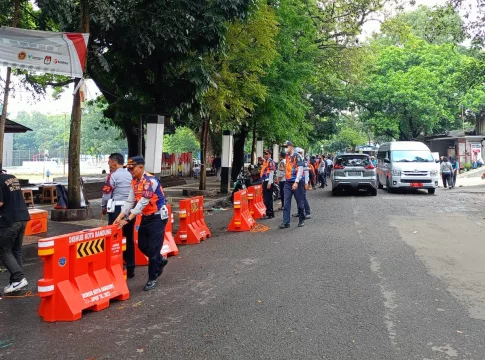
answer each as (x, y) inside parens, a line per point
(407, 164)
(353, 172)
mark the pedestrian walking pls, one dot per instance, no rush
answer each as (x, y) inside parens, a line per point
(146, 198)
(446, 170)
(267, 177)
(456, 169)
(14, 216)
(329, 162)
(281, 178)
(322, 171)
(115, 193)
(217, 166)
(293, 185)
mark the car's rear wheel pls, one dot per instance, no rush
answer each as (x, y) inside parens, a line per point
(335, 192)
(431, 191)
(379, 185)
(373, 192)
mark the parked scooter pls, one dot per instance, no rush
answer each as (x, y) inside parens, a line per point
(245, 179)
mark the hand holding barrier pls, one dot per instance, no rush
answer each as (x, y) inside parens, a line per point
(193, 228)
(82, 271)
(242, 219)
(256, 204)
(169, 248)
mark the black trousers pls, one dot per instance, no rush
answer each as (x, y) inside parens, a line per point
(282, 193)
(150, 242)
(11, 239)
(268, 198)
(129, 254)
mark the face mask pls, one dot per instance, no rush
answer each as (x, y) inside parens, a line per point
(287, 150)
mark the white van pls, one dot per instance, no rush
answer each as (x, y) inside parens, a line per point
(406, 164)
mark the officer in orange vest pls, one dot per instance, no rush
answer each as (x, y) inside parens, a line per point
(293, 185)
(146, 198)
(267, 176)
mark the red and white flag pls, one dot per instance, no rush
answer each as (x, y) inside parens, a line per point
(44, 51)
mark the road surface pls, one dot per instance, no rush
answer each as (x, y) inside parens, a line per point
(397, 276)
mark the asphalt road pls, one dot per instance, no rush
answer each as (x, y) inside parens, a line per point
(397, 276)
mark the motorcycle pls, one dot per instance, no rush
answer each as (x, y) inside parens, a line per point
(245, 179)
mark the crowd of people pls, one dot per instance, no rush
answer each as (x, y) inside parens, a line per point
(295, 174)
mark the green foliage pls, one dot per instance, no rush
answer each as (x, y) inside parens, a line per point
(49, 132)
(467, 166)
(184, 140)
(249, 51)
(411, 89)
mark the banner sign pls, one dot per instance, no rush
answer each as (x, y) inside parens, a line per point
(44, 51)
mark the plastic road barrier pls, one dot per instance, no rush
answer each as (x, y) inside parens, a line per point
(193, 228)
(242, 219)
(82, 271)
(256, 203)
(37, 223)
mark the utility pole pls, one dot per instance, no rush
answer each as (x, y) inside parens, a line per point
(3, 118)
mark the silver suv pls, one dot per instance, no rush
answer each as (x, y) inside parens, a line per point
(353, 172)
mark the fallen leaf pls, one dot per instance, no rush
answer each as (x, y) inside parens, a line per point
(140, 350)
(459, 332)
(260, 301)
(138, 304)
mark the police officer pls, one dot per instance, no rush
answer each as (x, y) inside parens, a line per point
(267, 176)
(306, 175)
(293, 185)
(115, 192)
(146, 198)
(281, 177)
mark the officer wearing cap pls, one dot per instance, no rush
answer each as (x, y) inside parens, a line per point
(146, 198)
(267, 176)
(281, 178)
(115, 192)
(293, 185)
(306, 175)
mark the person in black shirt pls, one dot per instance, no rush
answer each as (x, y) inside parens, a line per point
(13, 219)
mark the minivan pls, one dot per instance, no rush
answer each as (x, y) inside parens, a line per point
(406, 164)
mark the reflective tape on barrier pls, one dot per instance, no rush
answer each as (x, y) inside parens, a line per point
(45, 288)
(44, 244)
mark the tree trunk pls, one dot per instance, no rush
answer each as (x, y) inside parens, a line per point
(131, 138)
(480, 123)
(3, 117)
(238, 160)
(74, 175)
(204, 138)
(254, 149)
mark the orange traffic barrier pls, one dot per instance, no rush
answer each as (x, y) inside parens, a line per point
(242, 219)
(37, 223)
(82, 271)
(169, 248)
(193, 228)
(255, 200)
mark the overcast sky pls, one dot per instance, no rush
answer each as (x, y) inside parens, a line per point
(22, 100)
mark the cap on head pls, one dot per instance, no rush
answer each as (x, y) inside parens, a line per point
(135, 160)
(288, 143)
